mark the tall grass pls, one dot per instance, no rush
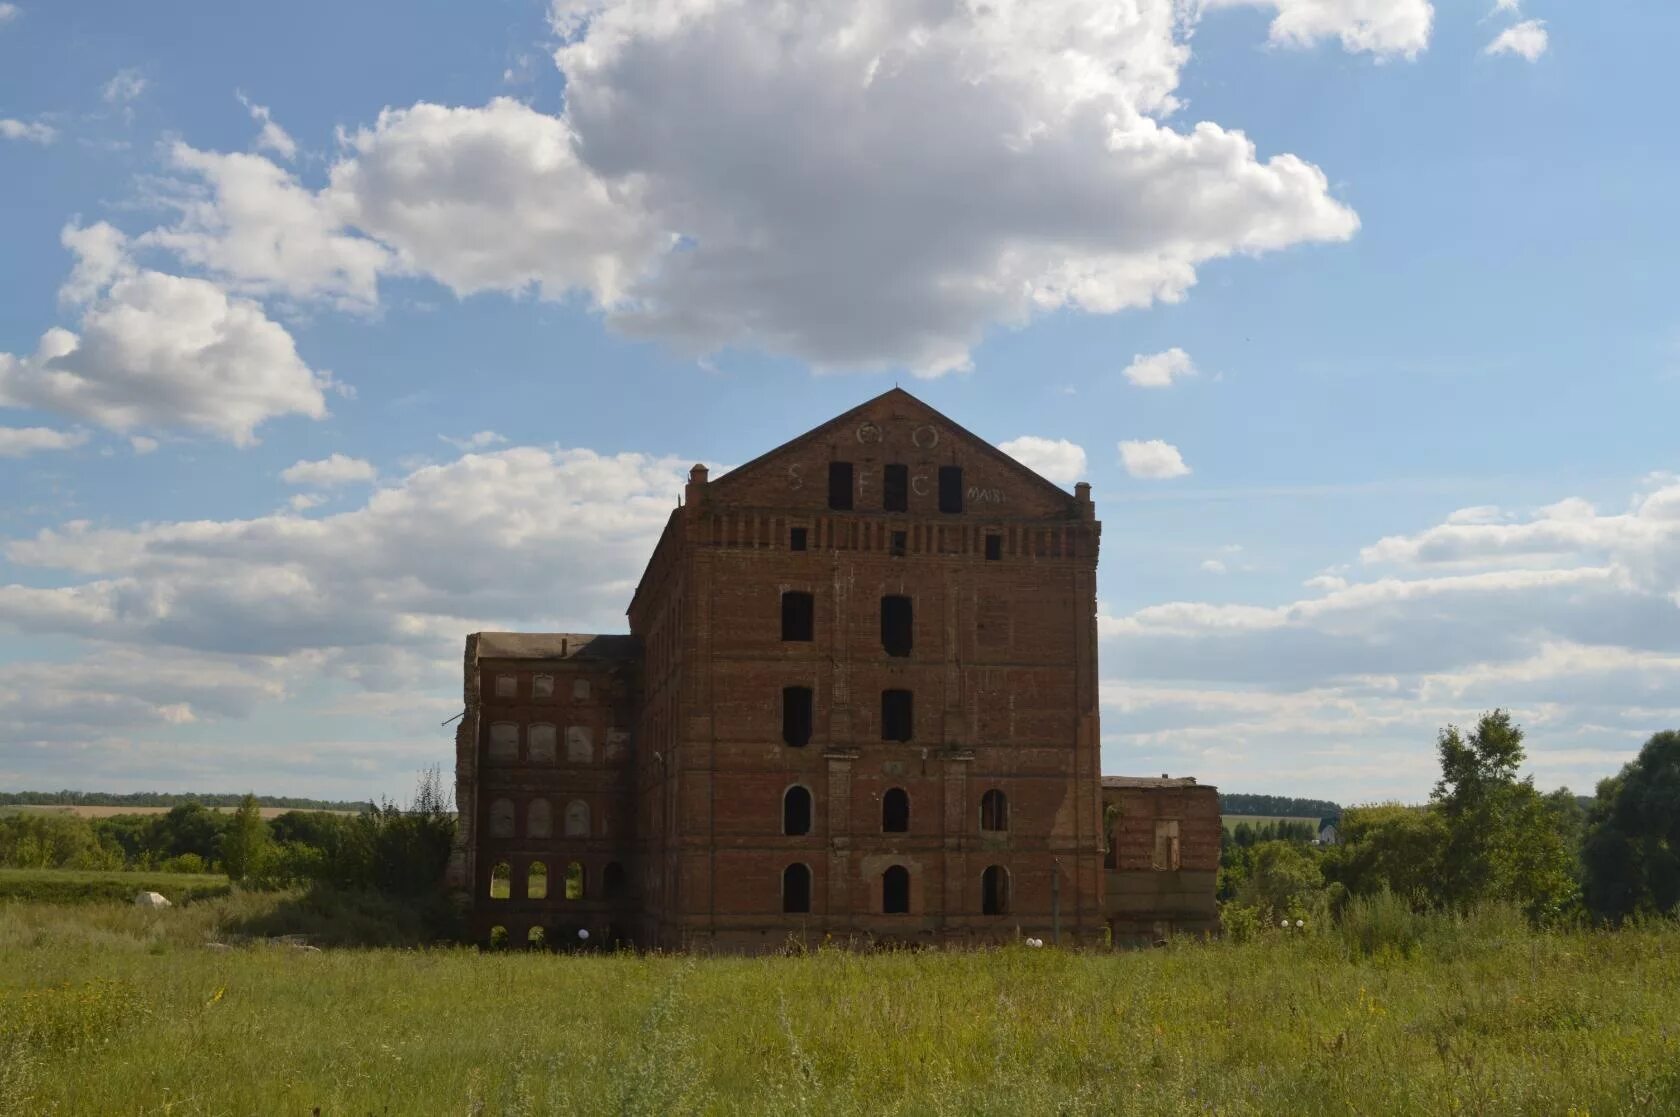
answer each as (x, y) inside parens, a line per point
(1475, 1015)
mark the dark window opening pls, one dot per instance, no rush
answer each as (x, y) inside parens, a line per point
(798, 616)
(950, 488)
(895, 891)
(840, 486)
(994, 810)
(895, 488)
(796, 811)
(612, 880)
(994, 891)
(796, 715)
(900, 544)
(796, 539)
(895, 811)
(897, 625)
(796, 888)
(897, 716)
(994, 547)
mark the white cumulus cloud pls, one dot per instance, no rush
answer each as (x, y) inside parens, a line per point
(712, 213)
(30, 131)
(1055, 459)
(1379, 27)
(336, 469)
(18, 442)
(1527, 39)
(1153, 460)
(161, 351)
(124, 86)
(482, 440)
(271, 137)
(1159, 370)
(9, 12)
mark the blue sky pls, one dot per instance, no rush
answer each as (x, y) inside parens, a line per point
(331, 333)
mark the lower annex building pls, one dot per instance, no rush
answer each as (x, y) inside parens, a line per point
(858, 702)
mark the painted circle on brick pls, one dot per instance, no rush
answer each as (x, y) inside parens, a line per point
(926, 436)
(868, 432)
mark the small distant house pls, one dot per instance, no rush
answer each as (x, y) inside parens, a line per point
(1328, 835)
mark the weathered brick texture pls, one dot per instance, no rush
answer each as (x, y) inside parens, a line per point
(691, 805)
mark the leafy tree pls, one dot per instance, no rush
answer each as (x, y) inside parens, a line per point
(1631, 851)
(1503, 841)
(245, 842)
(1393, 847)
(1284, 878)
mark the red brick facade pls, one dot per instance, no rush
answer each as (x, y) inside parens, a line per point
(859, 702)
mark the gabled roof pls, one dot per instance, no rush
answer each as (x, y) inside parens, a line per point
(899, 395)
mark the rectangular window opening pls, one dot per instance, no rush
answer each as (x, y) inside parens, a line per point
(897, 625)
(1166, 844)
(994, 548)
(895, 488)
(796, 539)
(840, 486)
(798, 616)
(796, 715)
(897, 715)
(950, 488)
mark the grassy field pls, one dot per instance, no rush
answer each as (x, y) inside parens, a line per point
(1231, 820)
(109, 1009)
(71, 887)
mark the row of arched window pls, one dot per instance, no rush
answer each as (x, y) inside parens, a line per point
(539, 819)
(895, 810)
(542, 743)
(574, 885)
(895, 890)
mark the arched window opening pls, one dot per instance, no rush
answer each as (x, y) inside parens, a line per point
(612, 881)
(540, 744)
(501, 818)
(994, 891)
(536, 881)
(535, 938)
(994, 810)
(895, 891)
(897, 625)
(895, 811)
(501, 881)
(574, 881)
(577, 819)
(796, 810)
(504, 742)
(498, 938)
(796, 888)
(539, 819)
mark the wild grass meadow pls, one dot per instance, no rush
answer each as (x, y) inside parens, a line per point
(105, 1008)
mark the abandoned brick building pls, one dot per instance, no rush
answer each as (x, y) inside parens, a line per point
(858, 701)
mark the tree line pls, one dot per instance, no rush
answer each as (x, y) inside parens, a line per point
(398, 850)
(1283, 806)
(1485, 836)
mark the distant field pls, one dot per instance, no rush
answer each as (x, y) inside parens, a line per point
(111, 812)
(64, 886)
(108, 1008)
(1231, 820)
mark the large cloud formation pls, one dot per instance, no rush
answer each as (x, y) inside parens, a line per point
(1569, 614)
(854, 183)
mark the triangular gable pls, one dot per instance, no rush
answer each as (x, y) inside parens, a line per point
(899, 428)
